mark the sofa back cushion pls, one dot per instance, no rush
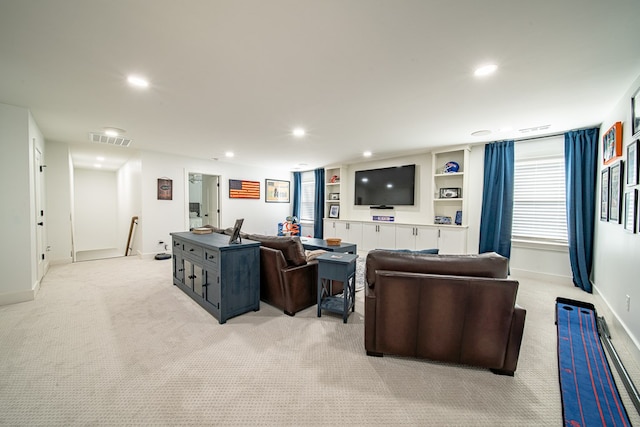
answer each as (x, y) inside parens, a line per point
(291, 247)
(489, 264)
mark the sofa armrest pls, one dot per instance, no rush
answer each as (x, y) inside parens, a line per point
(370, 321)
(515, 341)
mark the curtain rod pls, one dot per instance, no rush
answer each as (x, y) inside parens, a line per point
(551, 135)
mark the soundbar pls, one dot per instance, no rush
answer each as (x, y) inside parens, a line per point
(381, 207)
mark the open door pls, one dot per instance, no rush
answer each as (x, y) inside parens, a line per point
(203, 206)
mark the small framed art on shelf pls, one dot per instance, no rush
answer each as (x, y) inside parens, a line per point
(334, 211)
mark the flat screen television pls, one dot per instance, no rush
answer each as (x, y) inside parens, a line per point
(385, 187)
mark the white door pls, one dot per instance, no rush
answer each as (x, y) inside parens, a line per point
(40, 252)
(210, 200)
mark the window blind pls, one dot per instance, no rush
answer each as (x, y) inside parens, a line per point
(539, 208)
(307, 196)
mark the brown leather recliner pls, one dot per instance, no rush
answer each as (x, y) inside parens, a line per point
(287, 280)
(450, 308)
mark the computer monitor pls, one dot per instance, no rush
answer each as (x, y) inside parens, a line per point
(235, 236)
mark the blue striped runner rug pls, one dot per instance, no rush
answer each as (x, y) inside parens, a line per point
(589, 394)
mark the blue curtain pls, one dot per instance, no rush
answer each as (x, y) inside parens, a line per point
(318, 206)
(497, 199)
(581, 163)
(297, 191)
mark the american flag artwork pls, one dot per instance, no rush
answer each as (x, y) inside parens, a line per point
(241, 189)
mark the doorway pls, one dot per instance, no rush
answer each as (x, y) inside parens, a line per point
(203, 206)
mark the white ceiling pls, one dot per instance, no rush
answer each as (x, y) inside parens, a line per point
(390, 76)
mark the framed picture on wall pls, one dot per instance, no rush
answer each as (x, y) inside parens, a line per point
(276, 191)
(165, 189)
(632, 163)
(615, 191)
(630, 209)
(635, 114)
(604, 194)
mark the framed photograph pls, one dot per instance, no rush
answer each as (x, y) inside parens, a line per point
(334, 211)
(450, 193)
(241, 189)
(612, 143)
(632, 163)
(635, 114)
(630, 210)
(165, 189)
(604, 194)
(334, 196)
(276, 191)
(615, 192)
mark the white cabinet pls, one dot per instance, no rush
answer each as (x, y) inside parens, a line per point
(447, 239)
(348, 231)
(416, 237)
(378, 236)
(452, 240)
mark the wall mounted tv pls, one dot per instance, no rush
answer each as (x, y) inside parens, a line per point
(385, 187)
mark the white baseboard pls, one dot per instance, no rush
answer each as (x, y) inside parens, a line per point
(68, 260)
(619, 331)
(553, 278)
(20, 296)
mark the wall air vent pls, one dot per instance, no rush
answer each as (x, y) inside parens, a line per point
(101, 138)
(534, 129)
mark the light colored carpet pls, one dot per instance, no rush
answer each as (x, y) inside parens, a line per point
(113, 342)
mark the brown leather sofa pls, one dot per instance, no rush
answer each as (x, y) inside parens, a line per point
(457, 309)
(287, 280)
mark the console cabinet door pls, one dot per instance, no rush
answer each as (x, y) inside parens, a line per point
(452, 240)
(426, 238)
(378, 236)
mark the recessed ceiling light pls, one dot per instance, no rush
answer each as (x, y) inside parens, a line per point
(299, 132)
(367, 154)
(138, 81)
(482, 132)
(100, 159)
(97, 165)
(229, 154)
(485, 70)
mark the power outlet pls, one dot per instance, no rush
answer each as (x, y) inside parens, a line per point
(628, 302)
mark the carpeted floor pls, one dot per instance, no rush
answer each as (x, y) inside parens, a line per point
(113, 342)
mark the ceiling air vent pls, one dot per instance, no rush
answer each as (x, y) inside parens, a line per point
(111, 140)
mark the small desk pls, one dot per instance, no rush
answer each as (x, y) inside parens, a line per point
(311, 244)
(340, 267)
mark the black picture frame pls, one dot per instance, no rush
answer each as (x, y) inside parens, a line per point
(235, 235)
(334, 211)
(604, 194)
(632, 163)
(635, 114)
(615, 192)
(630, 210)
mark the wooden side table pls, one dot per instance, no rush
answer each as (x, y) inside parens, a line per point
(340, 267)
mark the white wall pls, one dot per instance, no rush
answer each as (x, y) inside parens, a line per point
(159, 218)
(129, 183)
(96, 210)
(58, 206)
(616, 261)
(19, 135)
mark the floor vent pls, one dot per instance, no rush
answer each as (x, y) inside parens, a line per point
(101, 138)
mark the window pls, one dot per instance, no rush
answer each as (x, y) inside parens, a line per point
(307, 196)
(539, 205)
